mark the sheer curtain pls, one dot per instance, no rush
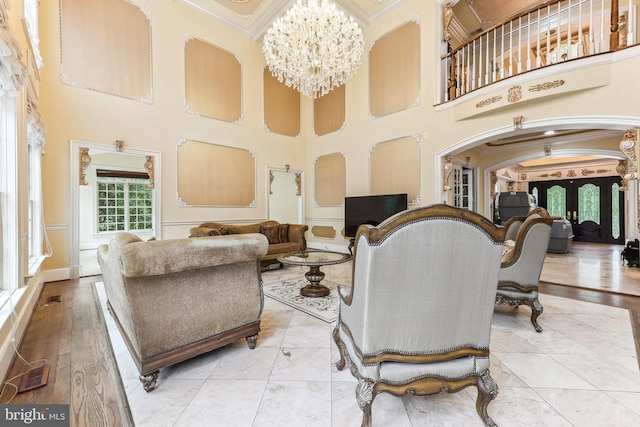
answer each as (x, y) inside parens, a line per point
(11, 70)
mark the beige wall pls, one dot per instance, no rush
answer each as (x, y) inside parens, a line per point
(73, 113)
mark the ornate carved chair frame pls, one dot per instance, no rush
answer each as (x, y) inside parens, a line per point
(520, 273)
(385, 361)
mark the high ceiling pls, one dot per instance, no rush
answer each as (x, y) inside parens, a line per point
(253, 17)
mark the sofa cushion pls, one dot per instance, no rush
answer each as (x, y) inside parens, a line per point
(271, 232)
(282, 248)
(283, 233)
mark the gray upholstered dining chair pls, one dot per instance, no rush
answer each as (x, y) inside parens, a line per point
(417, 319)
(522, 265)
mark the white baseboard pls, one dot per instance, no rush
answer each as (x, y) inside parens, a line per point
(328, 247)
(56, 275)
(13, 327)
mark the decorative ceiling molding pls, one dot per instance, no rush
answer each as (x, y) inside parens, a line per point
(253, 17)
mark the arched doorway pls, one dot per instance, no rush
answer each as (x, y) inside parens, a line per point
(518, 155)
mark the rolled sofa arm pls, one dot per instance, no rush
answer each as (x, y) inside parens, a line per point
(296, 234)
(140, 259)
(203, 232)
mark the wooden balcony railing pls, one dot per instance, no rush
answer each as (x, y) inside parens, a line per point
(542, 37)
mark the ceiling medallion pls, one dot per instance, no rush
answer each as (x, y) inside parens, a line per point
(314, 47)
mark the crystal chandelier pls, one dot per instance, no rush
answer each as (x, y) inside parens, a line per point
(314, 47)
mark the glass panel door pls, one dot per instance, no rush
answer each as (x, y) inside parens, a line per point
(594, 206)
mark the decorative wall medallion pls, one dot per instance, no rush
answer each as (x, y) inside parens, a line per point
(628, 147)
(447, 168)
(494, 180)
(545, 86)
(515, 94)
(621, 169)
(571, 174)
(488, 101)
(85, 161)
(148, 166)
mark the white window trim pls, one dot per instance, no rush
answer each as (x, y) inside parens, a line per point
(8, 197)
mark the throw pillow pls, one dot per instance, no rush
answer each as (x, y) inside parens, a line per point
(283, 233)
(270, 232)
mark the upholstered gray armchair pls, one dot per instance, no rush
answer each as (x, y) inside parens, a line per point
(417, 319)
(521, 266)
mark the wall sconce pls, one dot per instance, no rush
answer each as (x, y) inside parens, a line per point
(547, 150)
(286, 168)
(119, 145)
(447, 167)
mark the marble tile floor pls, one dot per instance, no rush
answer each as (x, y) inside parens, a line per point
(592, 266)
(581, 370)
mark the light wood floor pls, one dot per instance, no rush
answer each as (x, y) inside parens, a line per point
(72, 336)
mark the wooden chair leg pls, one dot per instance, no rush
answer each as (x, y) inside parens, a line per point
(336, 337)
(536, 310)
(487, 391)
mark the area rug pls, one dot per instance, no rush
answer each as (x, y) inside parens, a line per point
(288, 292)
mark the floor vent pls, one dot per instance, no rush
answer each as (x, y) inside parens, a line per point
(53, 300)
(36, 377)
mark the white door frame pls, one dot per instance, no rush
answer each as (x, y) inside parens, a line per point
(74, 237)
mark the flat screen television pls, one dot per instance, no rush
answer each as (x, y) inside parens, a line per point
(370, 210)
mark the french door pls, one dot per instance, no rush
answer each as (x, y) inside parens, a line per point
(594, 206)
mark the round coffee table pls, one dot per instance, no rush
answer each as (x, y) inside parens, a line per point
(314, 260)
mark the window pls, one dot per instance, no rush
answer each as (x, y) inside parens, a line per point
(36, 232)
(31, 19)
(8, 194)
(615, 211)
(124, 203)
(557, 201)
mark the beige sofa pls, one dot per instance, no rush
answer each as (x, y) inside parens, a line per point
(283, 238)
(175, 299)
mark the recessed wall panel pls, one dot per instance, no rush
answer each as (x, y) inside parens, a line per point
(281, 106)
(394, 70)
(106, 46)
(330, 175)
(395, 168)
(212, 81)
(329, 111)
(215, 175)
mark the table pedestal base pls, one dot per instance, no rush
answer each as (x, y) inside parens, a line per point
(314, 289)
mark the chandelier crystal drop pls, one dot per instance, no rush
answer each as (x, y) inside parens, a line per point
(313, 47)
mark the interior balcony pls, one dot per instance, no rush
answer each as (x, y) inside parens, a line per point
(534, 44)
